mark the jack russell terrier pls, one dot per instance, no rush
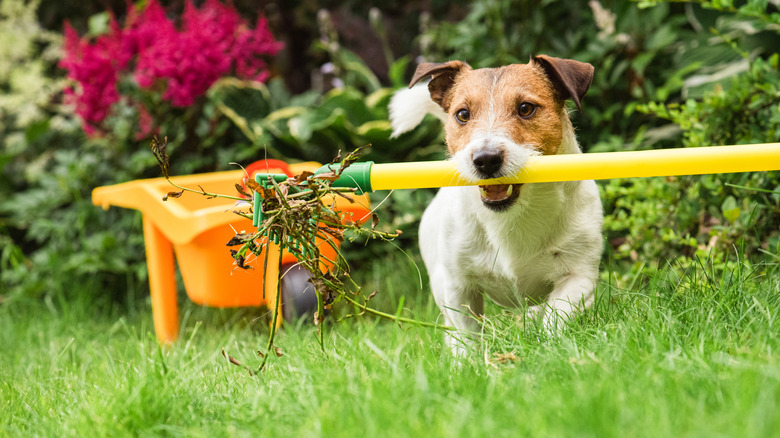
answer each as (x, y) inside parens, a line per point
(536, 245)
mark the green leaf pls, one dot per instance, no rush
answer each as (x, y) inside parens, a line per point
(98, 24)
(250, 100)
(397, 72)
(375, 131)
(732, 214)
(730, 209)
(300, 128)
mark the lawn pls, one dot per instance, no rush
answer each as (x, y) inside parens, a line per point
(687, 351)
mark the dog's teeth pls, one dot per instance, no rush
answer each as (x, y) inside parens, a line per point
(483, 192)
(509, 191)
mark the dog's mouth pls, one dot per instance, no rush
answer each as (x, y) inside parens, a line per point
(499, 196)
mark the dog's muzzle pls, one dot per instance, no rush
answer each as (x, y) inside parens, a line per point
(488, 163)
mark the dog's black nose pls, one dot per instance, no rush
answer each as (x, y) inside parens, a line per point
(488, 161)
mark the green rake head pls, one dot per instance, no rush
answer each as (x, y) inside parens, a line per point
(356, 176)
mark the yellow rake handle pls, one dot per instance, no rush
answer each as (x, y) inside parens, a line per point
(575, 167)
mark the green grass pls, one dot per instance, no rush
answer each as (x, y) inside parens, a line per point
(689, 351)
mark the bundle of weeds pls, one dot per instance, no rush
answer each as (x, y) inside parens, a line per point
(299, 214)
(298, 211)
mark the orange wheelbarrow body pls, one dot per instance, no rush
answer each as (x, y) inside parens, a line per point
(193, 230)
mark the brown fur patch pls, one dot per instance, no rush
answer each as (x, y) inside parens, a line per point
(492, 97)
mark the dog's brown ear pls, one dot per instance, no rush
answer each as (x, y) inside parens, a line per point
(570, 78)
(443, 79)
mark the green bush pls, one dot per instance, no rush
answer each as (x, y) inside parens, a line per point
(673, 217)
(316, 127)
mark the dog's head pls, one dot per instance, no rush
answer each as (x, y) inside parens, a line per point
(499, 117)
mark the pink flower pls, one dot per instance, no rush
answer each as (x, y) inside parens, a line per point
(96, 70)
(143, 30)
(213, 42)
(250, 48)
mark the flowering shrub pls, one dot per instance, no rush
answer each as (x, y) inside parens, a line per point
(182, 63)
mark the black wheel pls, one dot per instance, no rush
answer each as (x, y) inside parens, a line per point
(298, 295)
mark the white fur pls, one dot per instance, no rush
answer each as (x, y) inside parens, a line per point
(408, 108)
(543, 252)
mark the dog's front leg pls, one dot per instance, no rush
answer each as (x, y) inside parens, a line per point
(462, 313)
(571, 293)
(461, 309)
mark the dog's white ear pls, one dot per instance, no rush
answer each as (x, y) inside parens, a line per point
(570, 78)
(443, 75)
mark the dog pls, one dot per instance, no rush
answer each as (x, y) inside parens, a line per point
(522, 245)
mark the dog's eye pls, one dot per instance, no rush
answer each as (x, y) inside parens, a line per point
(526, 109)
(462, 116)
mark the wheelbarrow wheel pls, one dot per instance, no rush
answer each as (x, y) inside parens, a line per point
(298, 295)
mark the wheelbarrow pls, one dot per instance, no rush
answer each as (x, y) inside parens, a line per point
(194, 229)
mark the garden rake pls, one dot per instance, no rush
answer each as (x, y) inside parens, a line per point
(365, 177)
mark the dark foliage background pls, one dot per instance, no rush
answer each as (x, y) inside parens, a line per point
(667, 75)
